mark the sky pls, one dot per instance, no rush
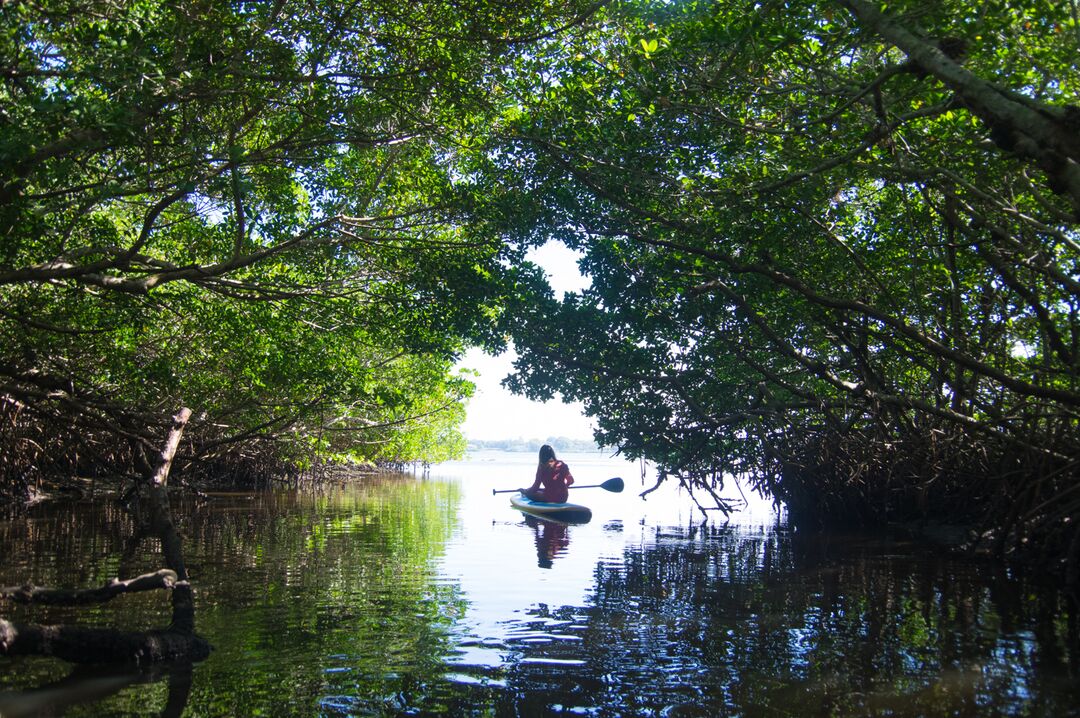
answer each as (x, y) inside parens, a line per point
(493, 412)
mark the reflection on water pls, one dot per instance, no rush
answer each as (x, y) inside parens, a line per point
(734, 622)
(433, 597)
(551, 538)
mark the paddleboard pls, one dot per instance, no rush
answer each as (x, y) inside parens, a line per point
(561, 512)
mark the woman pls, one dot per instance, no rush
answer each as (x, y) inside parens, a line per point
(552, 479)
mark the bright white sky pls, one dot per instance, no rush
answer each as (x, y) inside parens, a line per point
(495, 413)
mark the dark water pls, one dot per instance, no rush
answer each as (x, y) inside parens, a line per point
(432, 597)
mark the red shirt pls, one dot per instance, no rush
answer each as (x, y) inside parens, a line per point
(551, 482)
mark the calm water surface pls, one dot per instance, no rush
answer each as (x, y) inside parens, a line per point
(431, 596)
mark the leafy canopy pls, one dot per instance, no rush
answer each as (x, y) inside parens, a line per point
(809, 226)
(252, 209)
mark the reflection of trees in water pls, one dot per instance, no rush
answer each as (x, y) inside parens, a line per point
(340, 605)
(322, 599)
(326, 603)
(737, 621)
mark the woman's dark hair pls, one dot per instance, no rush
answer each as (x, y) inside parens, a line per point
(546, 454)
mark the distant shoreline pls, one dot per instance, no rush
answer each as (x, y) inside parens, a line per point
(560, 444)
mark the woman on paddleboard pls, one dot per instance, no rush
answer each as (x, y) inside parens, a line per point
(552, 479)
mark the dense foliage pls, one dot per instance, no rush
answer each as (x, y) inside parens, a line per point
(832, 248)
(249, 209)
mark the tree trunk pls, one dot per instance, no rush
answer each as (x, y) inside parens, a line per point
(183, 619)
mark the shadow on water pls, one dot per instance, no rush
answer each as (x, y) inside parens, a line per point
(341, 603)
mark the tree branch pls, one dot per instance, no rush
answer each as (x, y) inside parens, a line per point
(31, 594)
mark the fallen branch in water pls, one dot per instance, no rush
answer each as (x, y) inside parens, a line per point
(30, 593)
(79, 644)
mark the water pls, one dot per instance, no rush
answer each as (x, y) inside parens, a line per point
(431, 596)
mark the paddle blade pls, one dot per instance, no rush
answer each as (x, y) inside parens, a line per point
(614, 485)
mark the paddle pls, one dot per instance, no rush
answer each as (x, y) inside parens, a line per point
(614, 485)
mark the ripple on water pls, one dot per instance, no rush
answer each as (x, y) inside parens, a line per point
(560, 662)
(475, 680)
(491, 656)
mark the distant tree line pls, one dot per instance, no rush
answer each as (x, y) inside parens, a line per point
(559, 443)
